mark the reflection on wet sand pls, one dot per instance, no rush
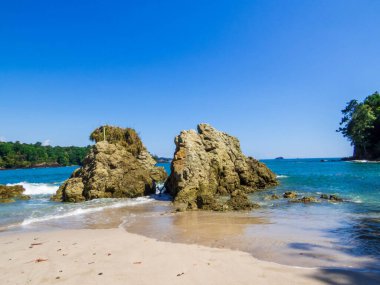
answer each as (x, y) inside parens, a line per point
(296, 236)
(268, 235)
(206, 228)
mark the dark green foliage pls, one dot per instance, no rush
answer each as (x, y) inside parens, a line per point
(125, 136)
(19, 155)
(361, 125)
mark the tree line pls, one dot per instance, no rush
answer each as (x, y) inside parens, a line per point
(361, 126)
(21, 155)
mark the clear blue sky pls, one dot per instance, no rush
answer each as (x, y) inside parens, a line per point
(273, 73)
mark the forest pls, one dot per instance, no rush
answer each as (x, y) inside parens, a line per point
(22, 155)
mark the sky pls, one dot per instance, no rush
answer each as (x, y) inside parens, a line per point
(275, 74)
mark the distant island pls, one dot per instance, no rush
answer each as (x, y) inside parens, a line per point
(22, 155)
(161, 159)
(361, 126)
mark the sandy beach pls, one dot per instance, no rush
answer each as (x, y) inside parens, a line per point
(113, 256)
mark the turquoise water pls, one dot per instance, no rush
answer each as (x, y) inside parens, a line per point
(355, 223)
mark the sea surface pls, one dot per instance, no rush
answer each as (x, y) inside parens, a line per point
(326, 234)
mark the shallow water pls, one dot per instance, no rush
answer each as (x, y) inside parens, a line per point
(325, 234)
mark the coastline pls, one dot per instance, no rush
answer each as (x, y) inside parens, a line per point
(113, 255)
(324, 236)
(39, 166)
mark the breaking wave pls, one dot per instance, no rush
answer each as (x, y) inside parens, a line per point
(282, 176)
(38, 188)
(87, 208)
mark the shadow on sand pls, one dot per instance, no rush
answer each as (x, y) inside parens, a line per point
(358, 238)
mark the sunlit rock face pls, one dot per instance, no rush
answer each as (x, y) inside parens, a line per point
(209, 165)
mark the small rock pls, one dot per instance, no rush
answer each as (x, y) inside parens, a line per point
(290, 195)
(305, 200)
(272, 197)
(335, 198)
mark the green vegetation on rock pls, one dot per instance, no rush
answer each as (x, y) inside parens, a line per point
(361, 126)
(125, 136)
(20, 155)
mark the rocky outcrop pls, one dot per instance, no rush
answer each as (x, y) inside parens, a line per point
(9, 194)
(208, 165)
(117, 166)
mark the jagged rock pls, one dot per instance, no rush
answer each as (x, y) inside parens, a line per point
(118, 167)
(9, 194)
(208, 164)
(290, 195)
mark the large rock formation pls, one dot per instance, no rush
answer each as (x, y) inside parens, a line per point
(117, 166)
(208, 165)
(9, 194)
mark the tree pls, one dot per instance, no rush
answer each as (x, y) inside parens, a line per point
(361, 125)
(18, 155)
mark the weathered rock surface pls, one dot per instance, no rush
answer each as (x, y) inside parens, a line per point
(209, 164)
(117, 167)
(9, 194)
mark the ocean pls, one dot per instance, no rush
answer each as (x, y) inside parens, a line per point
(344, 234)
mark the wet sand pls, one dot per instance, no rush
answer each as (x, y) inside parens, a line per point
(260, 233)
(292, 236)
(114, 256)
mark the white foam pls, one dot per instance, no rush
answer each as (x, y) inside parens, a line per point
(282, 176)
(363, 161)
(81, 211)
(37, 188)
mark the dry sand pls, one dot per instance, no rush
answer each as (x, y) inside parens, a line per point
(113, 256)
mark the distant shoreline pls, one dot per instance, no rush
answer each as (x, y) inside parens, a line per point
(38, 166)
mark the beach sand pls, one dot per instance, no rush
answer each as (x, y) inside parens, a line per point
(114, 256)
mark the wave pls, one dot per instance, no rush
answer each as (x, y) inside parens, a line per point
(363, 161)
(92, 208)
(38, 188)
(282, 176)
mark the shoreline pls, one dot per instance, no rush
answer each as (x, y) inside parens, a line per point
(263, 234)
(117, 256)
